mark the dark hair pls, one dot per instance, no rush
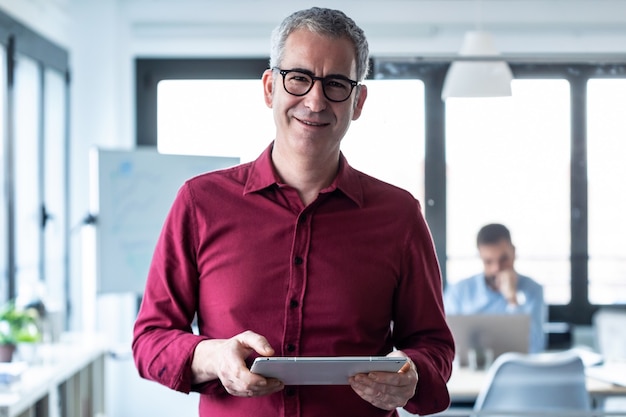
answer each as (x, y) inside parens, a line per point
(328, 22)
(493, 233)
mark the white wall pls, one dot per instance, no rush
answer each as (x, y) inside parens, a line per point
(48, 17)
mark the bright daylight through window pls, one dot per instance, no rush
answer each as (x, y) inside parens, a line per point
(606, 107)
(508, 162)
(229, 118)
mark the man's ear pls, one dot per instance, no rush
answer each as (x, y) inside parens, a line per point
(361, 95)
(268, 87)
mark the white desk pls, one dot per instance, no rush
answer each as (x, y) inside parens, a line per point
(465, 384)
(69, 382)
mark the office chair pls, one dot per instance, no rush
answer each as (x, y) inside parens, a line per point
(533, 383)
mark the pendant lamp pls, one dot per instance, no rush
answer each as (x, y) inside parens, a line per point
(473, 77)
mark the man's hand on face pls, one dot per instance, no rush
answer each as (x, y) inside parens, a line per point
(506, 283)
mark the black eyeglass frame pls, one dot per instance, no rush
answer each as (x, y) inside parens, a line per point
(284, 72)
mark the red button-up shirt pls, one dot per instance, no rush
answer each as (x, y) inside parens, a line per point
(353, 273)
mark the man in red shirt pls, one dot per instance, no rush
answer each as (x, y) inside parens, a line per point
(298, 254)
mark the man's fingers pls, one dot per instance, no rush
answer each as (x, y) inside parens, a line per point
(226, 360)
(381, 395)
(255, 342)
(256, 389)
(387, 390)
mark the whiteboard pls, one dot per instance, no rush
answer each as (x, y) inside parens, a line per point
(131, 193)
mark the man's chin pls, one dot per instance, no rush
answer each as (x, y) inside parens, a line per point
(491, 280)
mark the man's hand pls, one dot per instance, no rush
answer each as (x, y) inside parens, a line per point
(506, 283)
(387, 390)
(225, 359)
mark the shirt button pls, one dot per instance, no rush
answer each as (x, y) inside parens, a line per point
(290, 391)
(302, 218)
(291, 347)
(294, 303)
(298, 260)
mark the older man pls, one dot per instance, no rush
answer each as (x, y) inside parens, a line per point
(298, 254)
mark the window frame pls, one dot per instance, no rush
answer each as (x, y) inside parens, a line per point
(149, 72)
(20, 39)
(577, 71)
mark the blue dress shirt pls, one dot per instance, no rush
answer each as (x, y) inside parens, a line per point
(473, 296)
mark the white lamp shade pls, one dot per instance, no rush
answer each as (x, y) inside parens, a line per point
(478, 78)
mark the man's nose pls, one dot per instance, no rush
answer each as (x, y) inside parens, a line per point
(315, 98)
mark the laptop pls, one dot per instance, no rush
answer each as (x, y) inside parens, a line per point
(610, 339)
(492, 333)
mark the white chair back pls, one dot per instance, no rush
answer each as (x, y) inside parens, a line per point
(535, 383)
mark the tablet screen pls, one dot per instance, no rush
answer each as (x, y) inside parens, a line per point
(323, 370)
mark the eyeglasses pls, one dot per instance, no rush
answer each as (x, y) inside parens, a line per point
(336, 88)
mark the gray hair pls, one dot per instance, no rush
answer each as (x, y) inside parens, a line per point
(328, 22)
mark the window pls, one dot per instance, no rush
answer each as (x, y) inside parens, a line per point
(540, 159)
(55, 190)
(213, 117)
(508, 162)
(229, 118)
(387, 141)
(606, 139)
(27, 174)
(34, 250)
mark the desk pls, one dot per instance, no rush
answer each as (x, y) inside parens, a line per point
(465, 384)
(69, 382)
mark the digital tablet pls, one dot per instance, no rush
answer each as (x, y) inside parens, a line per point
(323, 370)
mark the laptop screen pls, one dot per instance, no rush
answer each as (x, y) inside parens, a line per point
(498, 333)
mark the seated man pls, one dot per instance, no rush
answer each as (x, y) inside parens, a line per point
(499, 289)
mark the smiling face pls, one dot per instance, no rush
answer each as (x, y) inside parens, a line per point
(311, 125)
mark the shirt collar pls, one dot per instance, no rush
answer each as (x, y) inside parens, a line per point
(262, 175)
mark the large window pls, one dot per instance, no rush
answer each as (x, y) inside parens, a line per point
(508, 162)
(213, 117)
(528, 161)
(33, 160)
(206, 117)
(606, 108)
